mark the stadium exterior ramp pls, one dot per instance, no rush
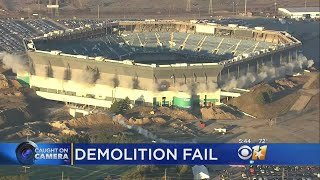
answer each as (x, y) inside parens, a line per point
(158, 63)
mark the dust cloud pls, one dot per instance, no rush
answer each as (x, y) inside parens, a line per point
(194, 88)
(267, 72)
(17, 63)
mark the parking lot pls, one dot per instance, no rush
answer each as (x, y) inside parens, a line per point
(285, 172)
(43, 26)
(81, 23)
(14, 31)
(264, 172)
(12, 34)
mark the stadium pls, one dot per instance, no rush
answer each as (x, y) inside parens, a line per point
(152, 62)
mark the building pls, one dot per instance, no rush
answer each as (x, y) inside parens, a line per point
(155, 63)
(300, 12)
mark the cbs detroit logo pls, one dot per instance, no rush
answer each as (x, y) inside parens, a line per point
(252, 153)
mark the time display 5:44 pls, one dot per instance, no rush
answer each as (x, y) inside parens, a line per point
(244, 141)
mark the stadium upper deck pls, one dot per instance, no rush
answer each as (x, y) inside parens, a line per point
(133, 45)
(164, 42)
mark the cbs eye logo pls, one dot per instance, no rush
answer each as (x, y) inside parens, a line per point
(256, 152)
(25, 153)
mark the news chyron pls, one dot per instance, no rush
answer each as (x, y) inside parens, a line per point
(31, 153)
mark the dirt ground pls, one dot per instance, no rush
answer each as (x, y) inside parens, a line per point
(286, 126)
(134, 8)
(293, 94)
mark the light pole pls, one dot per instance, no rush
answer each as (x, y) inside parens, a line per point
(233, 8)
(25, 168)
(237, 11)
(98, 11)
(245, 7)
(275, 7)
(305, 4)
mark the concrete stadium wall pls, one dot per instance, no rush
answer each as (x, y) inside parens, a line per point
(63, 79)
(253, 65)
(151, 78)
(128, 76)
(98, 95)
(90, 94)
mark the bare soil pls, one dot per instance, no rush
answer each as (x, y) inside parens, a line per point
(134, 8)
(217, 114)
(286, 92)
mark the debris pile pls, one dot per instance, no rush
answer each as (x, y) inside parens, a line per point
(58, 125)
(63, 128)
(285, 83)
(138, 129)
(177, 114)
(159, 120)
(51, 136)
(22, 134)
(216, 113)
(183, 128)
(3, 82)
(90, 120)
(137, 121)
(15, 84)
(68, 127)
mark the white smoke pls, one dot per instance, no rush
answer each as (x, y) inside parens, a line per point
(193, 88)
(207, 87)
(17, 63)
(310, 63)
(268, 72)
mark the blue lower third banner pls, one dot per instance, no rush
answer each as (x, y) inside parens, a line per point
(29, 153)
